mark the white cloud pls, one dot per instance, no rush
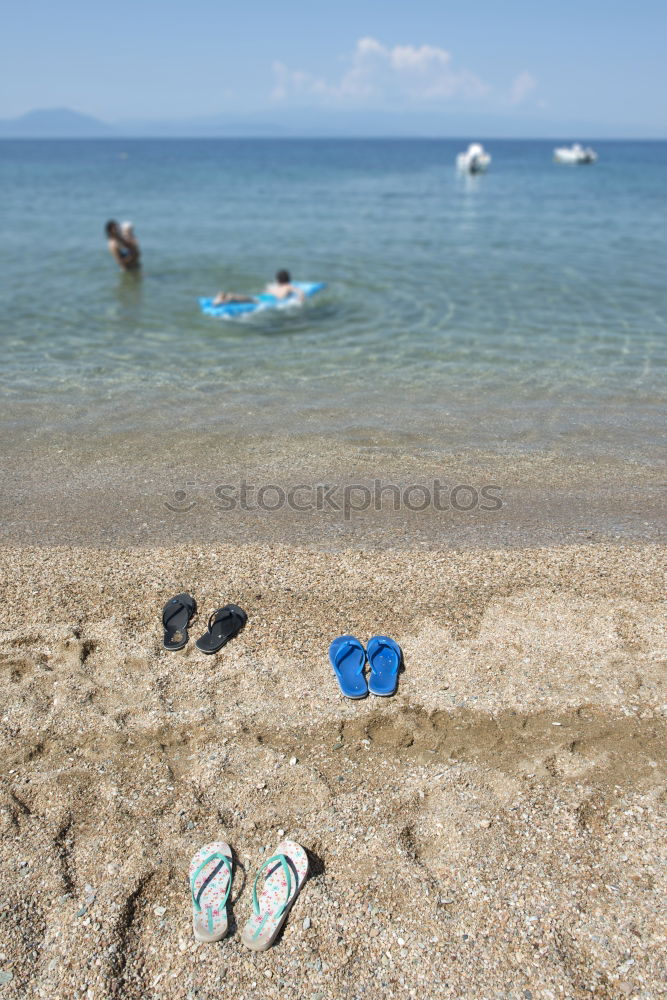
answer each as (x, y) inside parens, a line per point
(523, 85)
(288, 81)
(404, 73)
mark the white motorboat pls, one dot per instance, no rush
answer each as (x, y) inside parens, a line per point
(474, 160)
(575, 154)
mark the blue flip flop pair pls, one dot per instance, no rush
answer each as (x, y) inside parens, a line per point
(348, 657)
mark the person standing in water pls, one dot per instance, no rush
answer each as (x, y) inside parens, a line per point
(123, 245)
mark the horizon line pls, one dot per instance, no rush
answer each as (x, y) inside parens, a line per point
(323, 138)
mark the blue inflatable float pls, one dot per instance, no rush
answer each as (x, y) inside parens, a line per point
(228, 310)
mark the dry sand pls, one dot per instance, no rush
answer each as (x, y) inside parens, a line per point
(493, 831)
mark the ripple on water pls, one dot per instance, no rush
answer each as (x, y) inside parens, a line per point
(488, 297)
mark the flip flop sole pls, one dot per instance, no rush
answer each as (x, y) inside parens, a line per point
(177, 643)
(176, 617)
(383, 694)
(262, 929)
(350, 677)
(384, 658)
(210, 922)
(241, 620)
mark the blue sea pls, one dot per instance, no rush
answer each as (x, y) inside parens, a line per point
(518, 312)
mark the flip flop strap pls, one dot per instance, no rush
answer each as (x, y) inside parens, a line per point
(383, 644)
(288, 879)
(218, 616)
(167, 616)
(344, 648)
(213, 857)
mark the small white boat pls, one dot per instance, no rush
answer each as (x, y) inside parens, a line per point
(475, 159)
(575, 154)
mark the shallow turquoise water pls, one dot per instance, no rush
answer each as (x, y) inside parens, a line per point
(509, 311)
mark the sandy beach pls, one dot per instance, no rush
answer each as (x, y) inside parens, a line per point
(429, 405)
(493, 831)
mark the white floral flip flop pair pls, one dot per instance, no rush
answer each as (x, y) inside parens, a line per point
(211, 873)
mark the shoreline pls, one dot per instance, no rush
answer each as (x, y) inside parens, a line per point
(315, 491)
(492, 830)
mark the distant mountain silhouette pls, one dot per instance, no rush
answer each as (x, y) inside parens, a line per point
(219, 126)
(54, 123)
(310, 122)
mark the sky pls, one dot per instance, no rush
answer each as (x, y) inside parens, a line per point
(565, 61)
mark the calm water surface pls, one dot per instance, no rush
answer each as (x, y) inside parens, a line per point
(513, 311)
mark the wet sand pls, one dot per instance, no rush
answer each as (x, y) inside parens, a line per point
(370, 490)
(491, 831)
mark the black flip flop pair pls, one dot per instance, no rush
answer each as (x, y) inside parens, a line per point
(223, 624)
